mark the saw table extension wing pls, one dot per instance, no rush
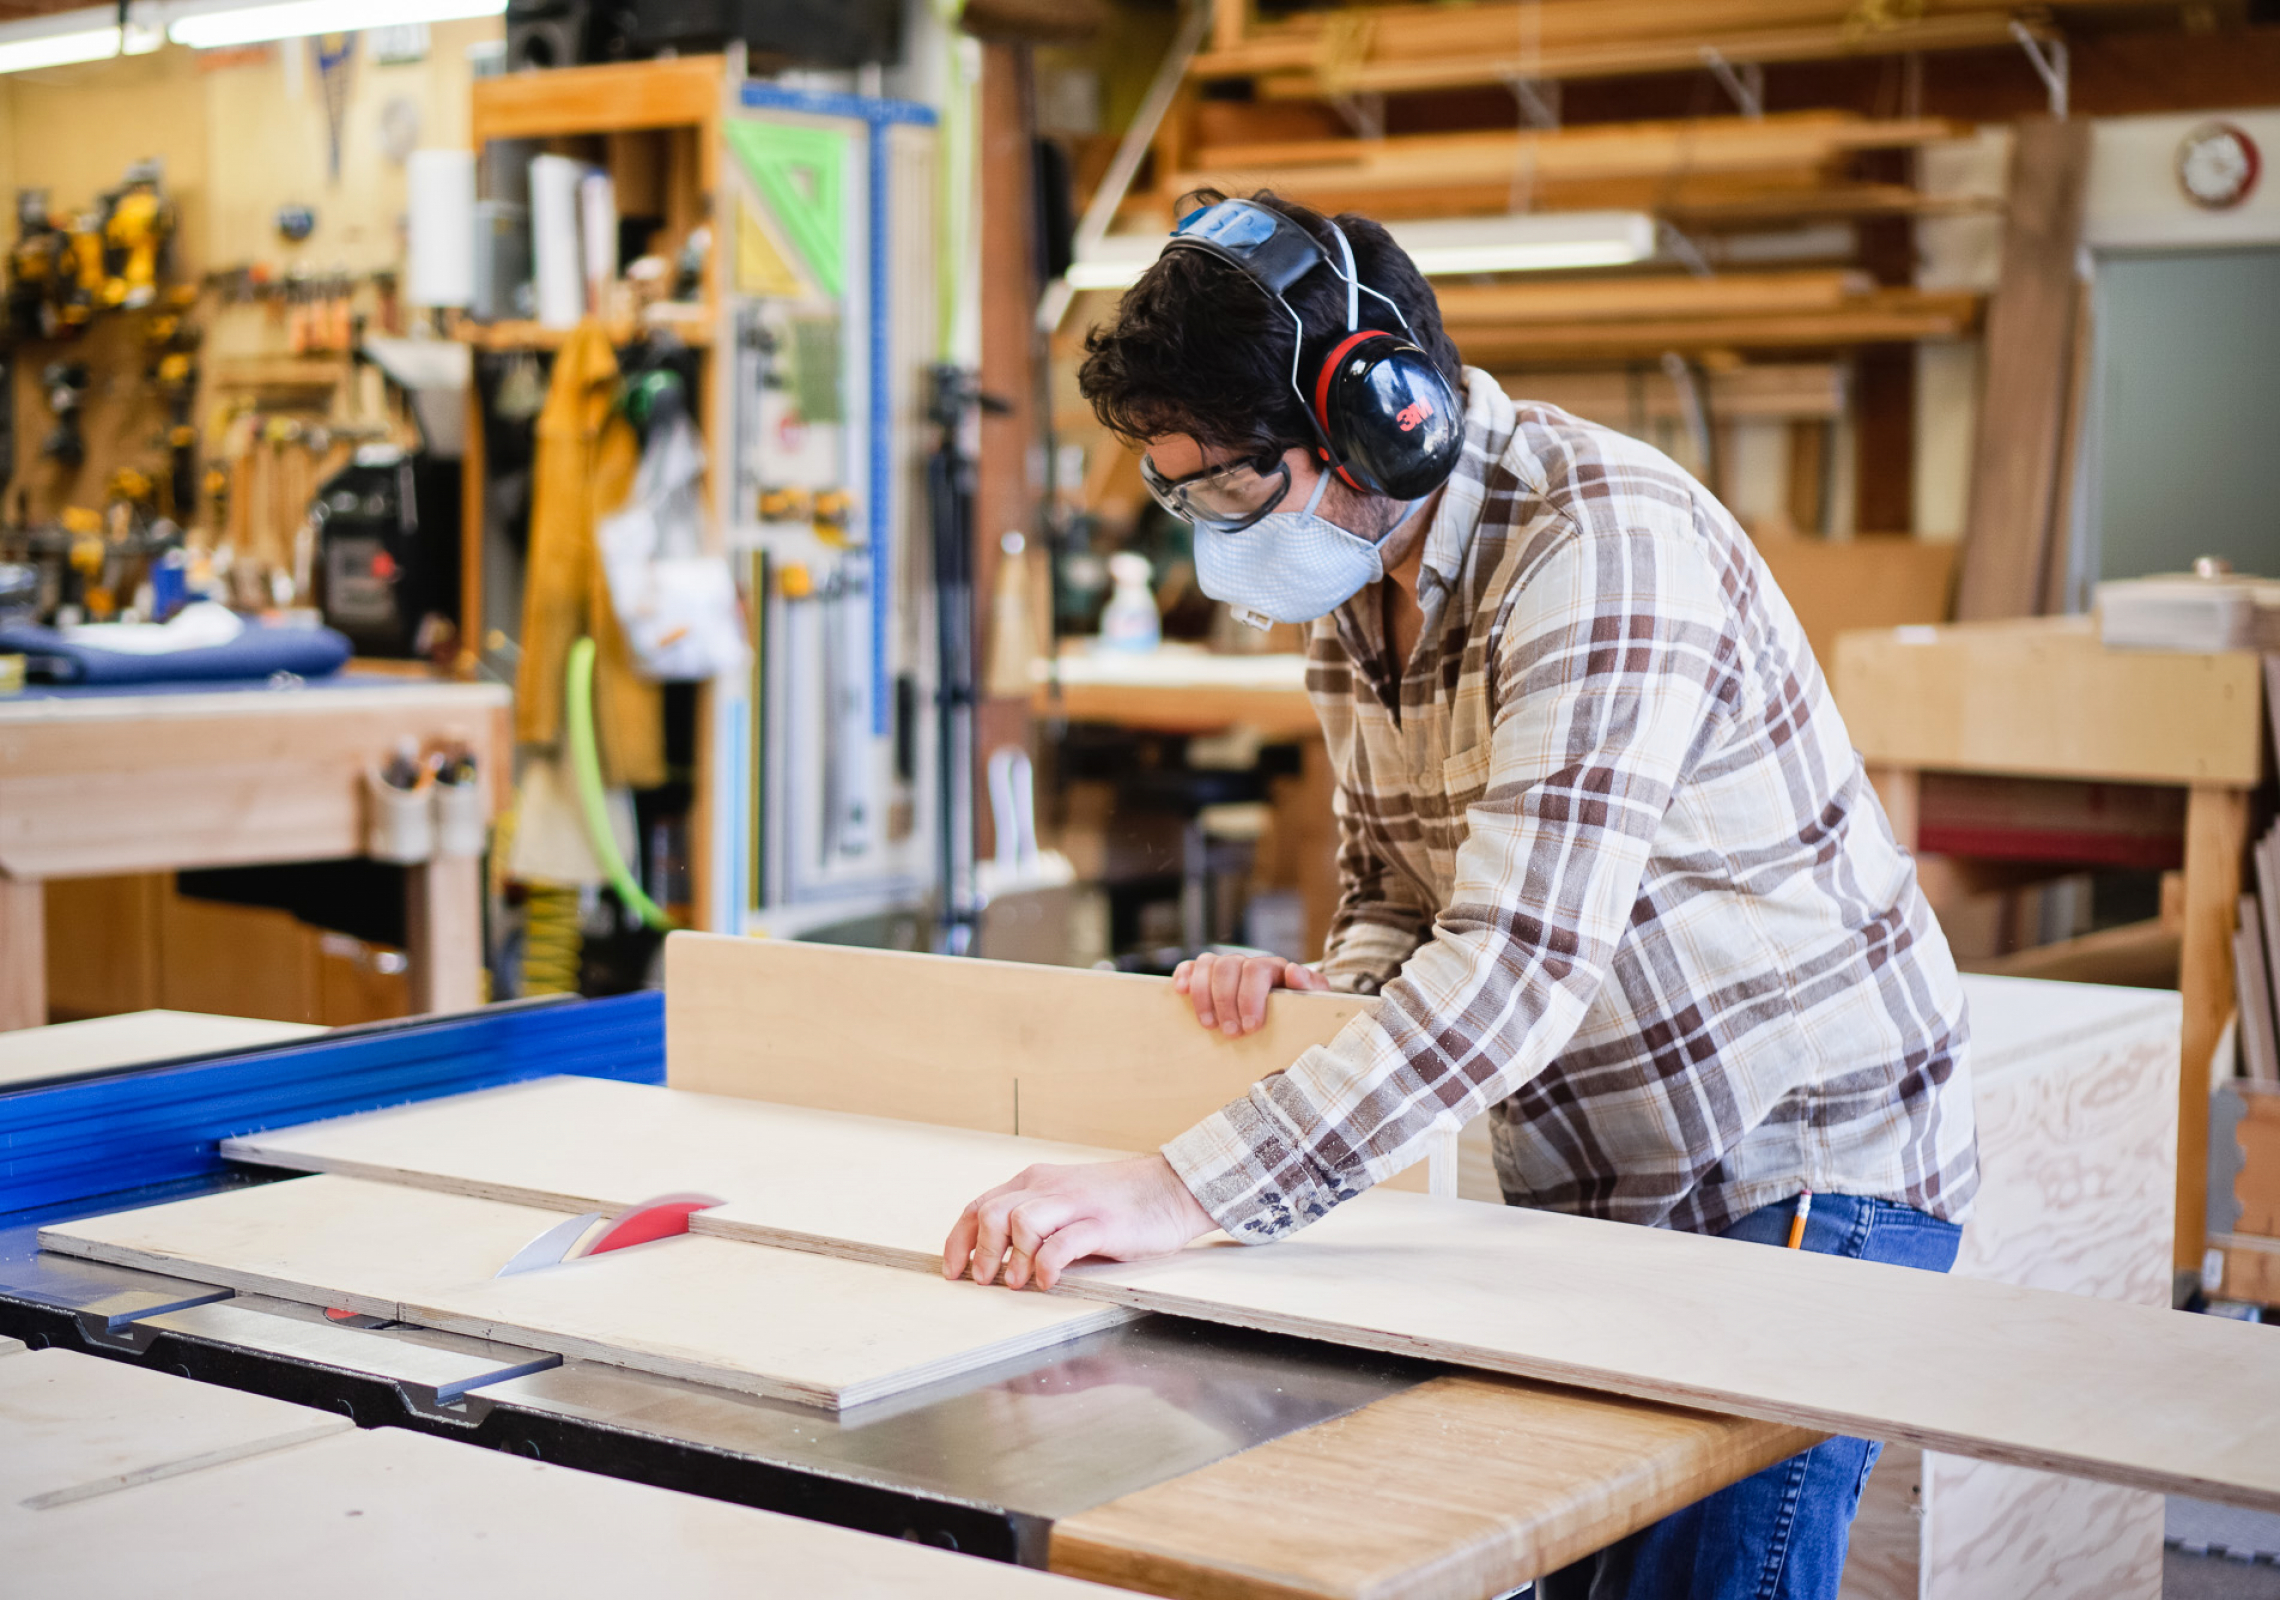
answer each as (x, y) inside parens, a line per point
(73, 1427)
(387, 1513)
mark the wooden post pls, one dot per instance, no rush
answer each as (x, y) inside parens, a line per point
(23, 953)
(471, 484)
(1229, 19)
(1901, 790)
(1006, 499)
(1314, 841)
(2030, 330)
(2216, 830)
(443, 933)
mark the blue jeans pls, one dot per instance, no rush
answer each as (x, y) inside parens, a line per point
(1779, 1535)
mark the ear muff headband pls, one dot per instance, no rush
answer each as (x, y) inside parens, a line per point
(1274, 253)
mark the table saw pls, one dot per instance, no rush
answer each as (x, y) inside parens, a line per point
(1088, 1457)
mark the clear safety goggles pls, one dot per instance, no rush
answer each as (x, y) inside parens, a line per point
(1229, 497)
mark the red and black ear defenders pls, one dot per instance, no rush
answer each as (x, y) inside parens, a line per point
(1383, 415)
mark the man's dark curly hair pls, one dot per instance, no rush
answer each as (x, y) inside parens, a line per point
(1199, 349)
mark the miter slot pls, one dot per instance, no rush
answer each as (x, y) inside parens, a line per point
(433, 1372)
(109, 1303)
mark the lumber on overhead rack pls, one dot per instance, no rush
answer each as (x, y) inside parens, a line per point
(1631, 299)
(1644, 395)
(1632, 149)
(1396, 48)
(1347, 60)
(2024, 411)
(1883, 316)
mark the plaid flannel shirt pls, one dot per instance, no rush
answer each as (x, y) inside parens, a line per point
(1613, 869)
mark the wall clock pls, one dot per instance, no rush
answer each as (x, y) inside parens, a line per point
(2217, 166)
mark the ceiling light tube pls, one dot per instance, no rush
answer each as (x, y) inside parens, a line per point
(70, 38)
(58, 49)
(1536, 242)
(1533, 242)
(215, 28)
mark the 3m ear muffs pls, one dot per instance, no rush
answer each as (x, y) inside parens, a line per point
(1383, 415)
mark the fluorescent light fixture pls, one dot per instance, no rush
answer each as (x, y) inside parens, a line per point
(67, 38)
(58, 49)
(220, 26)
(1533, 242)
(1117, 261)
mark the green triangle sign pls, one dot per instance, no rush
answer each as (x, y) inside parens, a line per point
(801, 173)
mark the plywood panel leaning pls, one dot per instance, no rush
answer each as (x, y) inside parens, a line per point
(2073, 1093)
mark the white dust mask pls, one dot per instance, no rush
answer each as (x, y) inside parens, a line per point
(1289, 566)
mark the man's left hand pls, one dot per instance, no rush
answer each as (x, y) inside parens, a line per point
(1050, 1216)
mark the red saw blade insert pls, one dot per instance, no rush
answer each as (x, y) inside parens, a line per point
(660, 1218)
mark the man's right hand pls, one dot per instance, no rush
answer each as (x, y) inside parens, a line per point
(1230, 991)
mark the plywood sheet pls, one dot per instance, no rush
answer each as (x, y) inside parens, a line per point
(1462, 1485)
(72, 1049)
(2075, 1097)
(590, 1144)
(789, 1324)
(1101, 1058)
(74, 1426)
(1993, 1532)
(2128, 1394)
(383, 1514)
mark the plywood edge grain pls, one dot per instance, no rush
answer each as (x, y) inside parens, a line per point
(1607, 1380)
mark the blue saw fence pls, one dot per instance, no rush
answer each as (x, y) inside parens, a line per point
(139, 1126)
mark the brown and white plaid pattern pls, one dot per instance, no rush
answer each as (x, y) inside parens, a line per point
(1613, 869)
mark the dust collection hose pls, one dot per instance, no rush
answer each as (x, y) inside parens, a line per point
(586, 773)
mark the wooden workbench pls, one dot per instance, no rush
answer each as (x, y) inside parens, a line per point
(1183, 690)
(1180, 689)
(2043, 699)
(95, 782)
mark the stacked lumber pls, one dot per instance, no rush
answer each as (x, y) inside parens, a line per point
(1710, 169)
(1413, 48)
(1639, 398)
(1640, 317)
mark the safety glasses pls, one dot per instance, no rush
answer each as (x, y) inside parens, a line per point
(1229, 497)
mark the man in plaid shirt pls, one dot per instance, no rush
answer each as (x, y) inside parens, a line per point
(1608, 860)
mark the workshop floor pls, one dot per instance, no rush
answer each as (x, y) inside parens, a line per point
(2220, 1553)
(2191, 1577)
